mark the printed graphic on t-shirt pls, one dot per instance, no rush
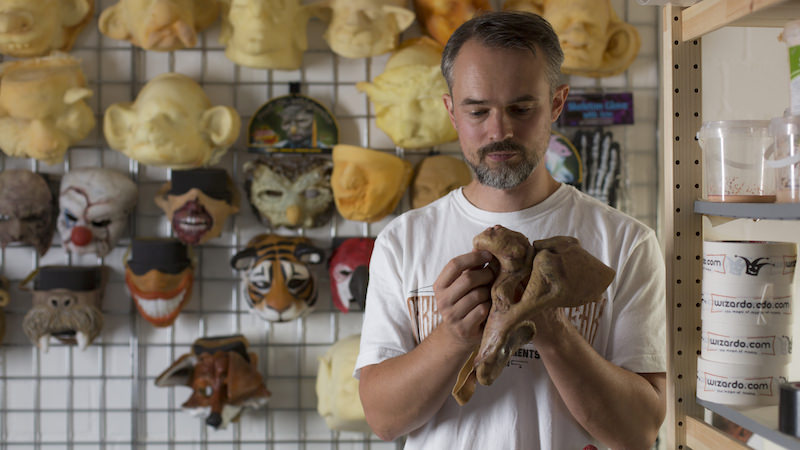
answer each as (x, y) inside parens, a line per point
(424, 315)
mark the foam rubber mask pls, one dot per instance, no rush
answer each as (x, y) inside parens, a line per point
(364, 28)
(94, 205)
(367, 184)
(197, 203)
(35, 28)
(26, 209)
(436, 176)
(349, 273)
(66, 305)
(159, 276)
(292, 191)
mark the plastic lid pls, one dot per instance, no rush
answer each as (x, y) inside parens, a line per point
(785, 125)
(725, 128)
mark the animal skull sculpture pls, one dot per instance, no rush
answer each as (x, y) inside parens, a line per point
(223, 376)
(35, 28)
(160, 25)
(42, 107)
(291, 191)
(552, 273)
(66, 305)
(93, 209)
(276, 278)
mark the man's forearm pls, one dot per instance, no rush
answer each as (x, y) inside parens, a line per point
(618, 407)
(401, 394)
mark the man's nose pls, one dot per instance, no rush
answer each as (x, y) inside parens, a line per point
(500, 127)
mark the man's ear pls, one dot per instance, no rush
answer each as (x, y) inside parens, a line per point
(559, 100)
(448, 104)
(117, 122)
(402, 16)
(113, 24)
(221, 125)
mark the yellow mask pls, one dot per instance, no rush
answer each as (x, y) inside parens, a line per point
(436, 176)
(37, 27)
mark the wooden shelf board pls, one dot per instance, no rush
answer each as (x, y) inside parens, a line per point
(709, 15)
(702, 436)
(762, 420)
(776, 211)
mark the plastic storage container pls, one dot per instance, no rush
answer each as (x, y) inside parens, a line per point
(734, 154)
(786, 133)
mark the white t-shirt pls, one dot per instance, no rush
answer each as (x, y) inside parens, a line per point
(522, 408)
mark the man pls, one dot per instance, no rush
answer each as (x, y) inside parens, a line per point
(593, 376)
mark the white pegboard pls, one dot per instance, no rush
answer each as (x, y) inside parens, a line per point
(105, 397)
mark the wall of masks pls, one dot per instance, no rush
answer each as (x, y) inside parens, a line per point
(103, 392)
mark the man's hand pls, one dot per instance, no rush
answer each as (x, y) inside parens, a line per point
(463, 296)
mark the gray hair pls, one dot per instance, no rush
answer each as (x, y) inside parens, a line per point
(513, 30)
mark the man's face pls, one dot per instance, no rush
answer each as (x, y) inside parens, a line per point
(582, 27)
(297, 124)
(502, 109)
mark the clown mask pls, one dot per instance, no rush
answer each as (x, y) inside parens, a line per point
(35, 28)
(337, 391)
(436, 176)
(223, 376)
(367, 184)
(265, 34)
(364, 28)
(42, 107)
(171, 124)
(93, 209)
(349, 273)
(66, 305)
(276, 278)
(292, 191)
(26, 209)
(161, 25)
(408, 96)
(197, 203)
(159, 276)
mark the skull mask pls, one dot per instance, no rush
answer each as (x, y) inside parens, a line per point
(197, 203)
(276, 278)
(93, 208)
(26, 209)
(159, 276)
(66, 305)
(223, 376)
(293, 191)
(349, 273)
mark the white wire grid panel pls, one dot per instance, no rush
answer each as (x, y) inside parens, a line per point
(104, 397)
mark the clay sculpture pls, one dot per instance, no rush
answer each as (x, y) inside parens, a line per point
(552, 273)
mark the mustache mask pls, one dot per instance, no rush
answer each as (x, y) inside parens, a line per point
(66, 305)
(159, 276)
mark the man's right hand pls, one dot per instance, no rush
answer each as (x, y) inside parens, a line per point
(463, 296)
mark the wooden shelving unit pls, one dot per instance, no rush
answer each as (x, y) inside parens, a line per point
(682, 228)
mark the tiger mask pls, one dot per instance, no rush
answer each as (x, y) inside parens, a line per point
(276, 279)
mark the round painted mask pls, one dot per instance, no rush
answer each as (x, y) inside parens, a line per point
(436, 176)
(26, 209)
(197, 203)
(349, 273)
(159, 276)
(94, 205)
(66, 305)
(367, 184)
(276, 278)
(35, 28)
(291, 191)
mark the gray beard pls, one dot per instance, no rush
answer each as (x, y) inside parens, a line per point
(505, 176)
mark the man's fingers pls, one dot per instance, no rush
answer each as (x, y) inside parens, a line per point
(456, 266)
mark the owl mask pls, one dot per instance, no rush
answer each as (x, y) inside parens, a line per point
(223, 376)
(364, 28)
(349, 273)
(408, 96)
(93, 209)
(291, 191)
(26, 209)
(276, 278)
(159, 276)
(35, 28)
(161, 25)
(66, 305)
(367, 184)
(197, 203)
(436, 176)
(265, 34)
(171, 124)
(42, 107)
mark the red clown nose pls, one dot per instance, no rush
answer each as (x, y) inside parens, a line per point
(81, 236)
